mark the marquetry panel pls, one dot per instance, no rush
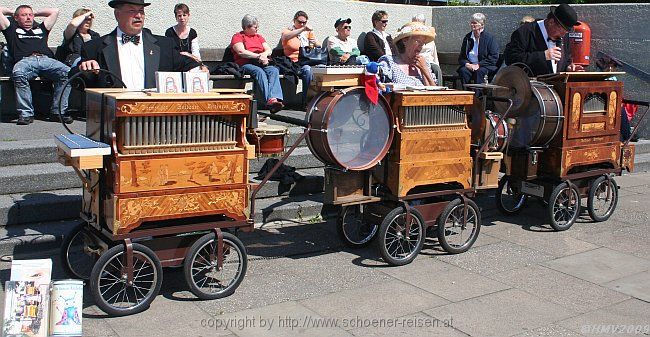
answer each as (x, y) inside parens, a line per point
(402, 177)
(430, 145)
(161, 174)
(222, 107)
(593, 109)
(560, 161)
(131, 212)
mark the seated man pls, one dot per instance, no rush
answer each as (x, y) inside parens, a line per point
(28, 48)
(133, 54)
(342, 48)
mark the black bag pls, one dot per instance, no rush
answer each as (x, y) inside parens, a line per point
(312, 56)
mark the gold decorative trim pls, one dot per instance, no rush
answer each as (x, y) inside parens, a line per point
(576, 110)
(611, 108)
(177, 107)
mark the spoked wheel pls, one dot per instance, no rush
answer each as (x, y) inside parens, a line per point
(110, 287)
(602, 199)
(396, 246)
(509, 199)
(454, 235)
(351, 228)
(564, 206)
(79, 252)
(202, 274)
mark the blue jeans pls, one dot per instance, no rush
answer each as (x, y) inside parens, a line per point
(31, 67)
(307, 76)
(267, 80)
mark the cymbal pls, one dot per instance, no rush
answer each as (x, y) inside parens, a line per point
(484, 86)
(518, 90)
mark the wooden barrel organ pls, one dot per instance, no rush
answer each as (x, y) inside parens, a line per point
(564, 143)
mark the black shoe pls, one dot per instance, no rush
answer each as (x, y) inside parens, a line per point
(66, 118)
(25, 120)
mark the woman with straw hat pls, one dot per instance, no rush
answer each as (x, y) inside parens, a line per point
(408, 66)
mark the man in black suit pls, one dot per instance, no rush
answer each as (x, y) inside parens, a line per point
(539, 44)
(131, 52)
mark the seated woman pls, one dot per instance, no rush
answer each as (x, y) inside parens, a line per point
(75, 35)
(251, 53)
(298, 35)
(185, 37)
(341, 47)
(479, 53)
(408, 66)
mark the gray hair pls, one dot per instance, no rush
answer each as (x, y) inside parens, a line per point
(478, 17)
(248, 21)
(419, 18)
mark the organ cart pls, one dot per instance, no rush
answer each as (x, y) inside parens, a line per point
(174, 186)
(398, 167)
(563, 143)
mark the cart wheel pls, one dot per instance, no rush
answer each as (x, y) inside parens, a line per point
(564, 206)
(200, 269)
(79, 252)
(603, 198)
(454, 236)
(351, 228)
(509, 200)
(395, 245)
(108, 281)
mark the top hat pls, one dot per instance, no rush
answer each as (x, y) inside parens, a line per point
(416, 29)
(114, 3)
(565, 15)
(342, 21)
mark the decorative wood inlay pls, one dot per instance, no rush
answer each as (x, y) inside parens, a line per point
(592, 127)
(611, 108)
(437, 100)
(403, 177)
(575, 110)
(591, 155)
(181, 172)
(133, 211)
(230, 106)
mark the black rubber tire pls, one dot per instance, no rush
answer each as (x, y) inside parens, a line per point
(596, 188)
(352, 230)
(206, 245)
(562, 214)
(145, 260)
(504, 207)
(454, 210)
(411, 245)
(75, 262)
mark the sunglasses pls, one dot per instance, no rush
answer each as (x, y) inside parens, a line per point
(384, 21)
(301, 22)
(347, 27)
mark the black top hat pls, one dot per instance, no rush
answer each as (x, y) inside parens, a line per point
(341, 21)
(114, 3)
(565, 15)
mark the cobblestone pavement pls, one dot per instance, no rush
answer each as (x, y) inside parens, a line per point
(520, 279)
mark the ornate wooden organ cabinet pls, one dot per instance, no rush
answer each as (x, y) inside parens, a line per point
(432, 145)
(591, 127)
(175, 156)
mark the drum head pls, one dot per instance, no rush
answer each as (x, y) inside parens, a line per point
(358, 134)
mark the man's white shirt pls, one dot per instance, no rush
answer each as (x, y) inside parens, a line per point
(131, 58)
(549, 44)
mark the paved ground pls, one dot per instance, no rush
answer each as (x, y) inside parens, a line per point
(520, 279)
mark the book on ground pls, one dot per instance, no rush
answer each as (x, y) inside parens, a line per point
(79, 146)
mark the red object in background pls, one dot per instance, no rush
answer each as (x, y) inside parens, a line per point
(630, 109)
(580, 44)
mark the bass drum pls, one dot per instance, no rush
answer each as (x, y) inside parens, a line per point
(541, 121)
(348, 131)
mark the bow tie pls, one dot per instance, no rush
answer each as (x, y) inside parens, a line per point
(128, 38)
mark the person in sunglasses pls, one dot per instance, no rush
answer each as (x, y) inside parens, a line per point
(341, 47)
(378, 42)
(298, 35)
